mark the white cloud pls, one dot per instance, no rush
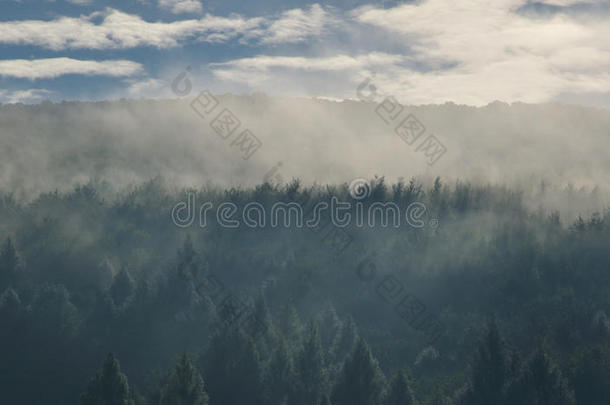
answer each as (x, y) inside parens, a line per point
(24, 96)
(566, 3)
(471, 52)
(80, 2)
(297, 25)
(332, 63)
(430, 51)
(118, 30)
(181, 6)
(264, 70)
(54, 67)
(495, 52)
(148, 88)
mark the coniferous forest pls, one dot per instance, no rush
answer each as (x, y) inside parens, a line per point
(105, 300)
(303, 202)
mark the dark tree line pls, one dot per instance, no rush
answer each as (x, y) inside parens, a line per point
(87, 273)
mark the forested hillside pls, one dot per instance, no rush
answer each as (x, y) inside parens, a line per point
(483, 301)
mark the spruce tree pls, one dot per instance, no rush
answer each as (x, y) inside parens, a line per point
(266, 338)
(347, 340)
(11, 319)
(9, 264)
(326, 400)
(489, 370)
(330, 332)
(540, 383)
(591, 376)
(109, 386)
(279, 377)
(361, 381)
(399, 391)
(10, 306)
(122, 288)
(231, 369)
(184, 385)
(290, 324)
(310, 371)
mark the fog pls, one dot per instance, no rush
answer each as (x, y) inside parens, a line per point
(552, 152)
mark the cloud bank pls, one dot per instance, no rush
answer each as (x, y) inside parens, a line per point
(54, 67)
(114, 29)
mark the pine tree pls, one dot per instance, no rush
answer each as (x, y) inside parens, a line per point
(267, 339)
(325, 400)
(184, 385)
(540, 383)
(10, 304)
(591, 376)
(310, 371)
(9, 264)
(440, 399)
(109, 386)
(186, 267)
(279, 377)
(330, 332)
(12, 366)
(261, 310)
(11, 310)
(122, 288)
(399, 392)
(489, 370)
(231, 369)
(52, 313)
(290, 324)
(361, 381)
(347, 340)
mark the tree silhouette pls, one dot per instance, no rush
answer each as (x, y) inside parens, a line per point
(9, 264)
(591, 376)
(109, 386)
(122, 287)
(310, 371)
(232, 361)
(399, 392)
(184, 385)
(279, 377)
(489, 370)
(540, 383)
(361, 381)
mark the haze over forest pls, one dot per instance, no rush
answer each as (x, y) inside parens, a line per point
(283, 202)
(57, 146)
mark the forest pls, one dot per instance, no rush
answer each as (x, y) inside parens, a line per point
(105, 300)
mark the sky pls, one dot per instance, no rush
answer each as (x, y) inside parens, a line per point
(469, 52)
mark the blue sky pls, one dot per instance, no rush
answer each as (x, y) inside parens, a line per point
(430, 51)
